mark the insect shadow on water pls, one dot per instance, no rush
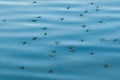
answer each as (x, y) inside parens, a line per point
(21, 67)
(106, 66)
(44, 28)
(34, 2)
(97, 8)
(4, 20)
(51, 71)
(61, 19)
(34, 20)
(92, 3)
(82, 40)
(24, 42)
(102, 39)
(87, 30)
(68, 7)
(100, 21)
(45, 34)
(38, 17)
(71, 49)
(81, 15)
(86, 11)
(54, 51)
(51, 55)
(83, 26)
(57, 42)
(115, 40)
(34, 38)
(92, 53)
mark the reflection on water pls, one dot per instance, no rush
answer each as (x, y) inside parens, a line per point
(59, 40)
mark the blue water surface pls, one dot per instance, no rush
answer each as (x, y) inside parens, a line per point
(60, 40)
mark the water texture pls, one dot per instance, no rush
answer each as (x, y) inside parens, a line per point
(60, 40)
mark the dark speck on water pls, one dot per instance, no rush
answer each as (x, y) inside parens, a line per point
(115, 40)
(106, 66)
(97, 6)
(100, 21)
(68, 7)
(82, 40)
(51, 55)
(86, 11)
(83, 26)
(61, 19)
(22, 67)
(102, 39)
(72, 50)
(38, 17)
(51, 71)
(34, 2)
(4, 20)
(81, 14)
(45, 28)
(97, 9)
(34, 38)
(91, 3)
(24, 42)
(70, 47)
(91, 53)
(87, 30)
(34, 20)
(57, 42)
(45, 34)
(54, 51)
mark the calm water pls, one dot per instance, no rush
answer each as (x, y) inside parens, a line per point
(60, 40)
